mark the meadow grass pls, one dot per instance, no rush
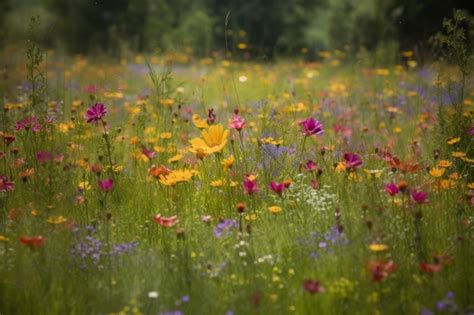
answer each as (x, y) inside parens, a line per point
(331, 241)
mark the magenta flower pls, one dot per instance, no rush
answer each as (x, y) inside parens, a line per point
(28, 123)
(352, 160)
(5, 184)
(250, 185)
(310, 166)
(148, 153)
(106, 184)
(277, 187)
(391, 189)
(44, 157)
(311, 126)
(95, 113)
(418, 196)
(312, 286)
(471, 131)
(91, 89)
(236, 122)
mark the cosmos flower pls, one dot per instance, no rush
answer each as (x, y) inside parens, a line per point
(419, 197)
(352, 160)
(277, 188)
(28, 123)
(311, 126)
(95, 113)
(106, 184)
(250, 185)
(5, 184)
(391, 189)
(310, 166)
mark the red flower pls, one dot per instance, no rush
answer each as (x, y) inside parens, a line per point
(381, 269)
(430, 268)
(166, 221)
(33, 241)
(312, 286)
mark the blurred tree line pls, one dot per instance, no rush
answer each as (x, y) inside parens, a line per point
(258, 28)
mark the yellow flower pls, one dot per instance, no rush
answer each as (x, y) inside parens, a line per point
(468, 160)
(56, 220)
(445, 163)
(251, 217)
(84, 185)
(341, 167)
(175, 158)
(35, 213)
(227, 163)
(437, 172)
(275, 209)
(177, 176)
(166, 135)
(458, 154)
(4, 238)
(233, 184)
(217, 183)
(454, 176)
(470, 185)
(199, 122)
(378, 247)
(373, 173)
(213, 140)
(453, 140)
(446, 184)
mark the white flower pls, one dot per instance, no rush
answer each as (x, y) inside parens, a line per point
(153, 294)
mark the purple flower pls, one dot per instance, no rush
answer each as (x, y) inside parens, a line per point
(95, 113)
(352, 160)
(225, 226)
(311, 126)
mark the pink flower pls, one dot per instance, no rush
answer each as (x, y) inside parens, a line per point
(277, 187)
(310, 166)
(95, 113)
(148, 153)
(91, 89)
(250, 185)
(391, 189)
(106, 184)
(311, 126)
(5, 184)
(236, 122)
(312, 286)
(28, 123)
(44, 157)
(418, 196)
(352, 160)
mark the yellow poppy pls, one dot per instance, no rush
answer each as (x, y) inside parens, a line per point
(437, 172)
(275, 209)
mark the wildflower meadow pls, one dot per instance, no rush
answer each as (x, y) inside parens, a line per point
(165, 183)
